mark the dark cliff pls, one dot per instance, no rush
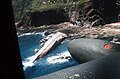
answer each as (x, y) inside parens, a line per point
(53, 12)
(49, 17)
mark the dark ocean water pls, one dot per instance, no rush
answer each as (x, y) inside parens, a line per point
(31, 41)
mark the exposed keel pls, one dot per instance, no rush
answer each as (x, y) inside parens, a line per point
(46, 47)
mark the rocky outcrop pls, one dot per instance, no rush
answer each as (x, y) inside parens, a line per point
(107, 8)
(104, 11)
(98, 11)
(92, 14)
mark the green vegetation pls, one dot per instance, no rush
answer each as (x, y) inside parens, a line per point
(22, 6)
(49, 6)
(39, 6)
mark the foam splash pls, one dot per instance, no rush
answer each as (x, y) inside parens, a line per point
(32, 33)
(27, 63)
(59, 58)
(29, 58)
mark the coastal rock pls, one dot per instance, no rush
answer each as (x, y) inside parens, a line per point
(103, 11)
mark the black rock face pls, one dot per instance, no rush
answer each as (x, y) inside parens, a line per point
(48, 17)
(104, 11)
(107, 8)
(84, 50)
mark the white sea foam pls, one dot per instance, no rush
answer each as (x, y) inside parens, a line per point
(27, 63)
(32, 33)
(29, 58)
(59, 58)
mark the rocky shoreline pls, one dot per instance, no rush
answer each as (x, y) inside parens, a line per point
(107, 32)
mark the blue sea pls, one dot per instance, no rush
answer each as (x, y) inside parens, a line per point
(29, 42)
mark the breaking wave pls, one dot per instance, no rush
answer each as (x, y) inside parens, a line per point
(32, 33)
(59, 58)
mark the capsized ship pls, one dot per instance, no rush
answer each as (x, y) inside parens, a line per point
(55, 38)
